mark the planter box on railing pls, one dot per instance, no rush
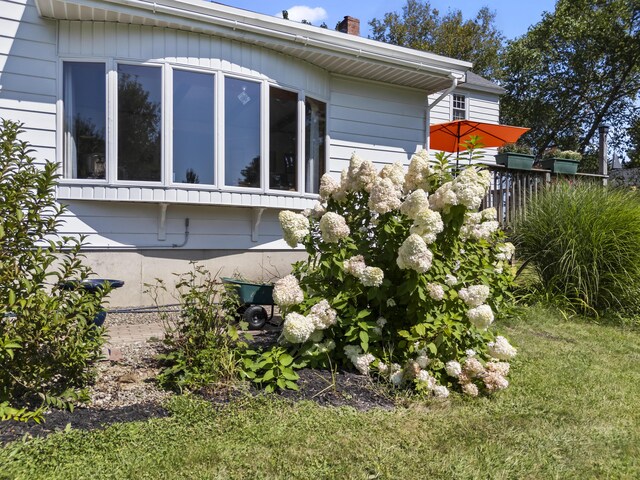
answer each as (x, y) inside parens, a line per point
(561, 165)
(516, 161)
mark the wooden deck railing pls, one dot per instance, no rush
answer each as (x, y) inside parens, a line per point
(511, 190)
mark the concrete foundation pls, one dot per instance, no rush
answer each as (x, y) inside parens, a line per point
(140, 268)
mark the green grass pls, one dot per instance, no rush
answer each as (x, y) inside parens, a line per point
(571, 412)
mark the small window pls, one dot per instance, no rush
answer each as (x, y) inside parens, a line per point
(242, 133)
(193, 127)
(84, 99)
(283, 139)
(315, 150)
(139, 123)
(459, 111)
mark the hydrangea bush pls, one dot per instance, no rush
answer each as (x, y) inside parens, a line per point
(403, 280)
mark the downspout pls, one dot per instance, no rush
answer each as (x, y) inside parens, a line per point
(454, 83)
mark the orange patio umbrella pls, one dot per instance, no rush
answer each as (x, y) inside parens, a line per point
(450, 136)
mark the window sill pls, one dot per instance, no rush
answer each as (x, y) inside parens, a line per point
(179, 195)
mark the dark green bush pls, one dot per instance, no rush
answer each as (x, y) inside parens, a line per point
(203, 342)
(48, 344)
(584, 242)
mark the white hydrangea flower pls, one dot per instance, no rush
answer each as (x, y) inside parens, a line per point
(427, 380)
(317, 211)
(317, 335)
(372, 277)
(391, 303)
(361, 174)
(333, 227)
(475, 295)
(473, 368)
(428, 224)
(453, 368)
(385, 196)
(440, 391)
(414, 254)
(505, 251)
(355, 265)
(328, 186)
(297, 328)
(414, 203)
(470, 389)
(435, 291)
(470, 352)
(501, 349)
(499, 367)
(295, 227)
(363, 362)
(395, 173)
(493, 381)
(481, 316)
(383, 367)
(423, 361)
(352, 351)
(420, 172)
(322, 315)
(489, 214)
(450, 280)
(340, 194)
(396, 378)
(443, 198)
(471, 186)
(381, 322)
(287, 292)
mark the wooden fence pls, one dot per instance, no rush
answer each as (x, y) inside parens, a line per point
(511, 190)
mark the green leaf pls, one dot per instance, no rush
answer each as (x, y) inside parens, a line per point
(267, 376)
(285, 359)
(364, 337)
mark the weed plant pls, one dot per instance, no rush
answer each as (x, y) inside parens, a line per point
(203, 342)
(584, 243)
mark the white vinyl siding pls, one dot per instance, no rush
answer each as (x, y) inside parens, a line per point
(28, 74)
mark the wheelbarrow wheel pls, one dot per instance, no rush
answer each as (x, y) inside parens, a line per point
(255, 316)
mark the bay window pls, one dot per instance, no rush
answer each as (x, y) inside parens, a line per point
(84, 97)
(139, 123)
(121, 123)
(193, 127)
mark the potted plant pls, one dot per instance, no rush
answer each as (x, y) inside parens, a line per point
(561, 161)
(515, 156)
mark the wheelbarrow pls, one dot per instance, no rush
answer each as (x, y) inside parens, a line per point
(253, 296)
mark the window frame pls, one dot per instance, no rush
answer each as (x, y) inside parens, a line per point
(167, 69)
(466, 106)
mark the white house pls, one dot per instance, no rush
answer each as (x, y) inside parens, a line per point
(183, 127)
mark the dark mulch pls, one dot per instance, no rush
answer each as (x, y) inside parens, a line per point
(349, 389)
(80, 419)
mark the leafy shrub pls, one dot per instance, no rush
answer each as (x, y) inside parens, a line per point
(203, 342)
(583, 241)
(515, 148)
(403, 278)
(48, 344)
(569, 155)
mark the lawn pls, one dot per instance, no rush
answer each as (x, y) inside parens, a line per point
(572, 411)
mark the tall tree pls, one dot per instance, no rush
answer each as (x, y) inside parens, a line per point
(578, 67)
(422, 27)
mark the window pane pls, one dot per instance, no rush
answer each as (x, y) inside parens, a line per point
(315, 132)
(139, 123)
(84, 119)
(459, 110)
(283, 139)
(242, 133)
(193, 133)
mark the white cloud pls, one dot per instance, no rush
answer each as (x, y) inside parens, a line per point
(298, 13)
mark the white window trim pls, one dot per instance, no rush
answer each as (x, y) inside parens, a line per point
(466, 105)
(166, 181)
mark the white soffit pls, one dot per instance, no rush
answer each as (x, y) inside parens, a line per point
(333, 51)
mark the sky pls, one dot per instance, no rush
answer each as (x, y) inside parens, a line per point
(513, 18)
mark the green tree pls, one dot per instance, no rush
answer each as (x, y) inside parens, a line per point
(634, 143)
(422, 27)
(578, 67)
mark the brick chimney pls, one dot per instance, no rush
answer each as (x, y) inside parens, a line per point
(350, 25)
